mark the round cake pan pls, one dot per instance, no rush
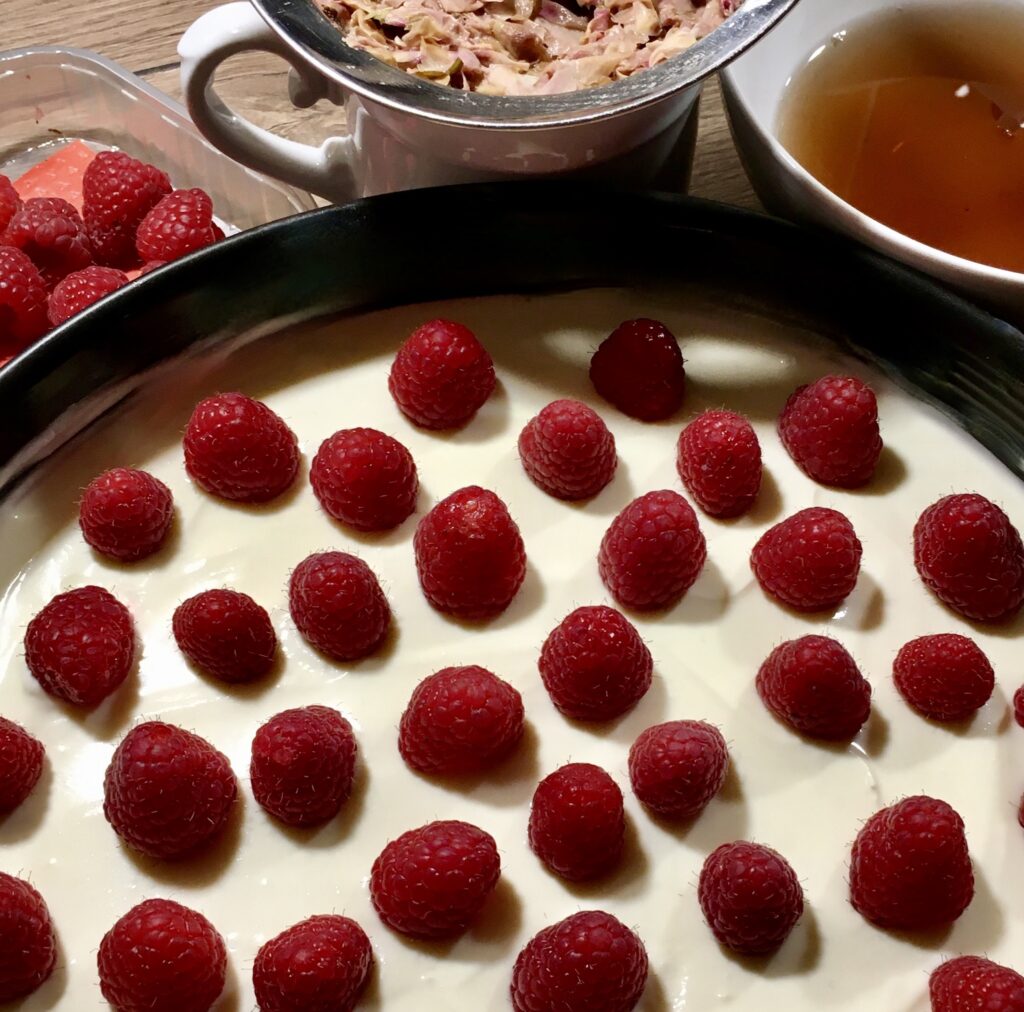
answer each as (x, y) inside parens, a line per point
(524, 237)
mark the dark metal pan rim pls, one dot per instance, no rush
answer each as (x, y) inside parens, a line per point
(494, 239)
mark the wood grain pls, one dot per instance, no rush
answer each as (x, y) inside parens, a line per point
(143, 37)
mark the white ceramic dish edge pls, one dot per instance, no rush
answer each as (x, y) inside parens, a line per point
(754, 87)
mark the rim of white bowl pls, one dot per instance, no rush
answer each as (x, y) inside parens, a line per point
(923, 254)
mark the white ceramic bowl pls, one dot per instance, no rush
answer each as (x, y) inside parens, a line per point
(755, 87)
(406, 132)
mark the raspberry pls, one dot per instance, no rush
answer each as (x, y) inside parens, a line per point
(320, 964)
(179, 223)
(238, 449)
(810, 560)
(22, 302)
(365, 479)
(28, 947)
(441, 376)
(432, 882)
(970, 556)
(594, 664)
(79, 290)
(910, 869)
(719, 461)
(567, 450)
(750, 896)
(1018, 706)
(21, 764)
(814, 685)
(577, 825)
(167, 792)
(225, 634)
(653, 551)
(81, 646)
(338, 606)
(678, 767)
(303, 764)
(830, 429)
(162, 957)
(470, 555)
(589, 962)
(118, 191)
(10, 202)
(973, 984)
(639, 369)
(126, 514)
(50, 231)
(944, 677)
(460, 720)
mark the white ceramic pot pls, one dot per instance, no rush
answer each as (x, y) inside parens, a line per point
(405, 132)
(755, 87)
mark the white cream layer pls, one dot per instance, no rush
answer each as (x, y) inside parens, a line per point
(805, 800)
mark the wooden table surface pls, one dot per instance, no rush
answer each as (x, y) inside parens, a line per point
(142, 35)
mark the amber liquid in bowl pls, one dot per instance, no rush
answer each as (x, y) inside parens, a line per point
(916, 118)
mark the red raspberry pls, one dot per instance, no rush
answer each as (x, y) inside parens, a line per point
(678, 767)
(653, 551)
(179, 223)
(50, 231)
(321, 964)
(750, 896)
(944, 677)
(594, 664)
(303, 764)
(21, 764)
(830, 429)
(971, 557)
(1018, 706)
(577, 825)
(79, 290)
(567, 450)
(460, 720)
(810, 560)
(639, 369)
(167, 792)
(162, 957)
(719, 461)
(814, 685)
(126, 514)
(81, 646)
(973, 984)
(441, 376)
(432, 882)
(470, 555)
(237, 448)
(28, 946)
(365, 479)
(22, 302)
(338, 606)
(226, 635)
(910, 869)
(10, 203)
(589, 962)
(118, 191)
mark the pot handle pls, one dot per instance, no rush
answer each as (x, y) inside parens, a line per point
(235, 28)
